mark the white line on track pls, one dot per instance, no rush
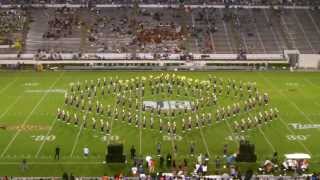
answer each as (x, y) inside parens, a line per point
(9, 107)
(8, 85)
(29, 116)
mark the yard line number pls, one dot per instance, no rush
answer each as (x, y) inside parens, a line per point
(40, 138)
(293, 137)
(170, 138)
(236, 137)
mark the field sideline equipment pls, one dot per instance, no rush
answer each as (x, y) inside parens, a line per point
(115, 154)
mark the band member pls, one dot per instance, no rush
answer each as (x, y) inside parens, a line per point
(66, 99)
(144, 124)
(174, 128)
(68, 118)
(189, 123)
(129, 118)
(265, 99)
(84, 119)
(102, 126)
(59, 114)
(197, 121)
(76, 119)
(151, 122)
(183, 125)
(236, 127)
(94, 123)
(107, 127)
(160, 125)
(169, 127)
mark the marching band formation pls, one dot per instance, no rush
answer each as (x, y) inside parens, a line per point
(98, 103)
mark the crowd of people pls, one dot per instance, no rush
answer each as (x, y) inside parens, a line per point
(178, 30)
(12, 27)
(198, 2)
(12, 20)
(62, 24)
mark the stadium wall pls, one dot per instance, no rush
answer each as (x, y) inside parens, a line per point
(309, 61)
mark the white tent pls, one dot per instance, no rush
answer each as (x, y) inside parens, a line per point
(297, 156)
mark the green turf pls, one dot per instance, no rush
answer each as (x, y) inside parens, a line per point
(296, 95)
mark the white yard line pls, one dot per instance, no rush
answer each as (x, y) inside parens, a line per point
(204, 140)
(111, 125)
(314, 85)
(29, 116)
(9, 107)
(291, 102)
(281, 120)
(267, 140)
(171, 134)
(202, 136)
(230, 129)
(303, 32)
(311, 83)
(8, 85)
(291, 131)
(140, 119)
(48, 133)
(76, 141)
(226, 32)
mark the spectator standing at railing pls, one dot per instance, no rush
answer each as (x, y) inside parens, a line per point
(57, 153)
(24, 165)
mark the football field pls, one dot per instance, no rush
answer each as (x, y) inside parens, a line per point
(29, 128)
